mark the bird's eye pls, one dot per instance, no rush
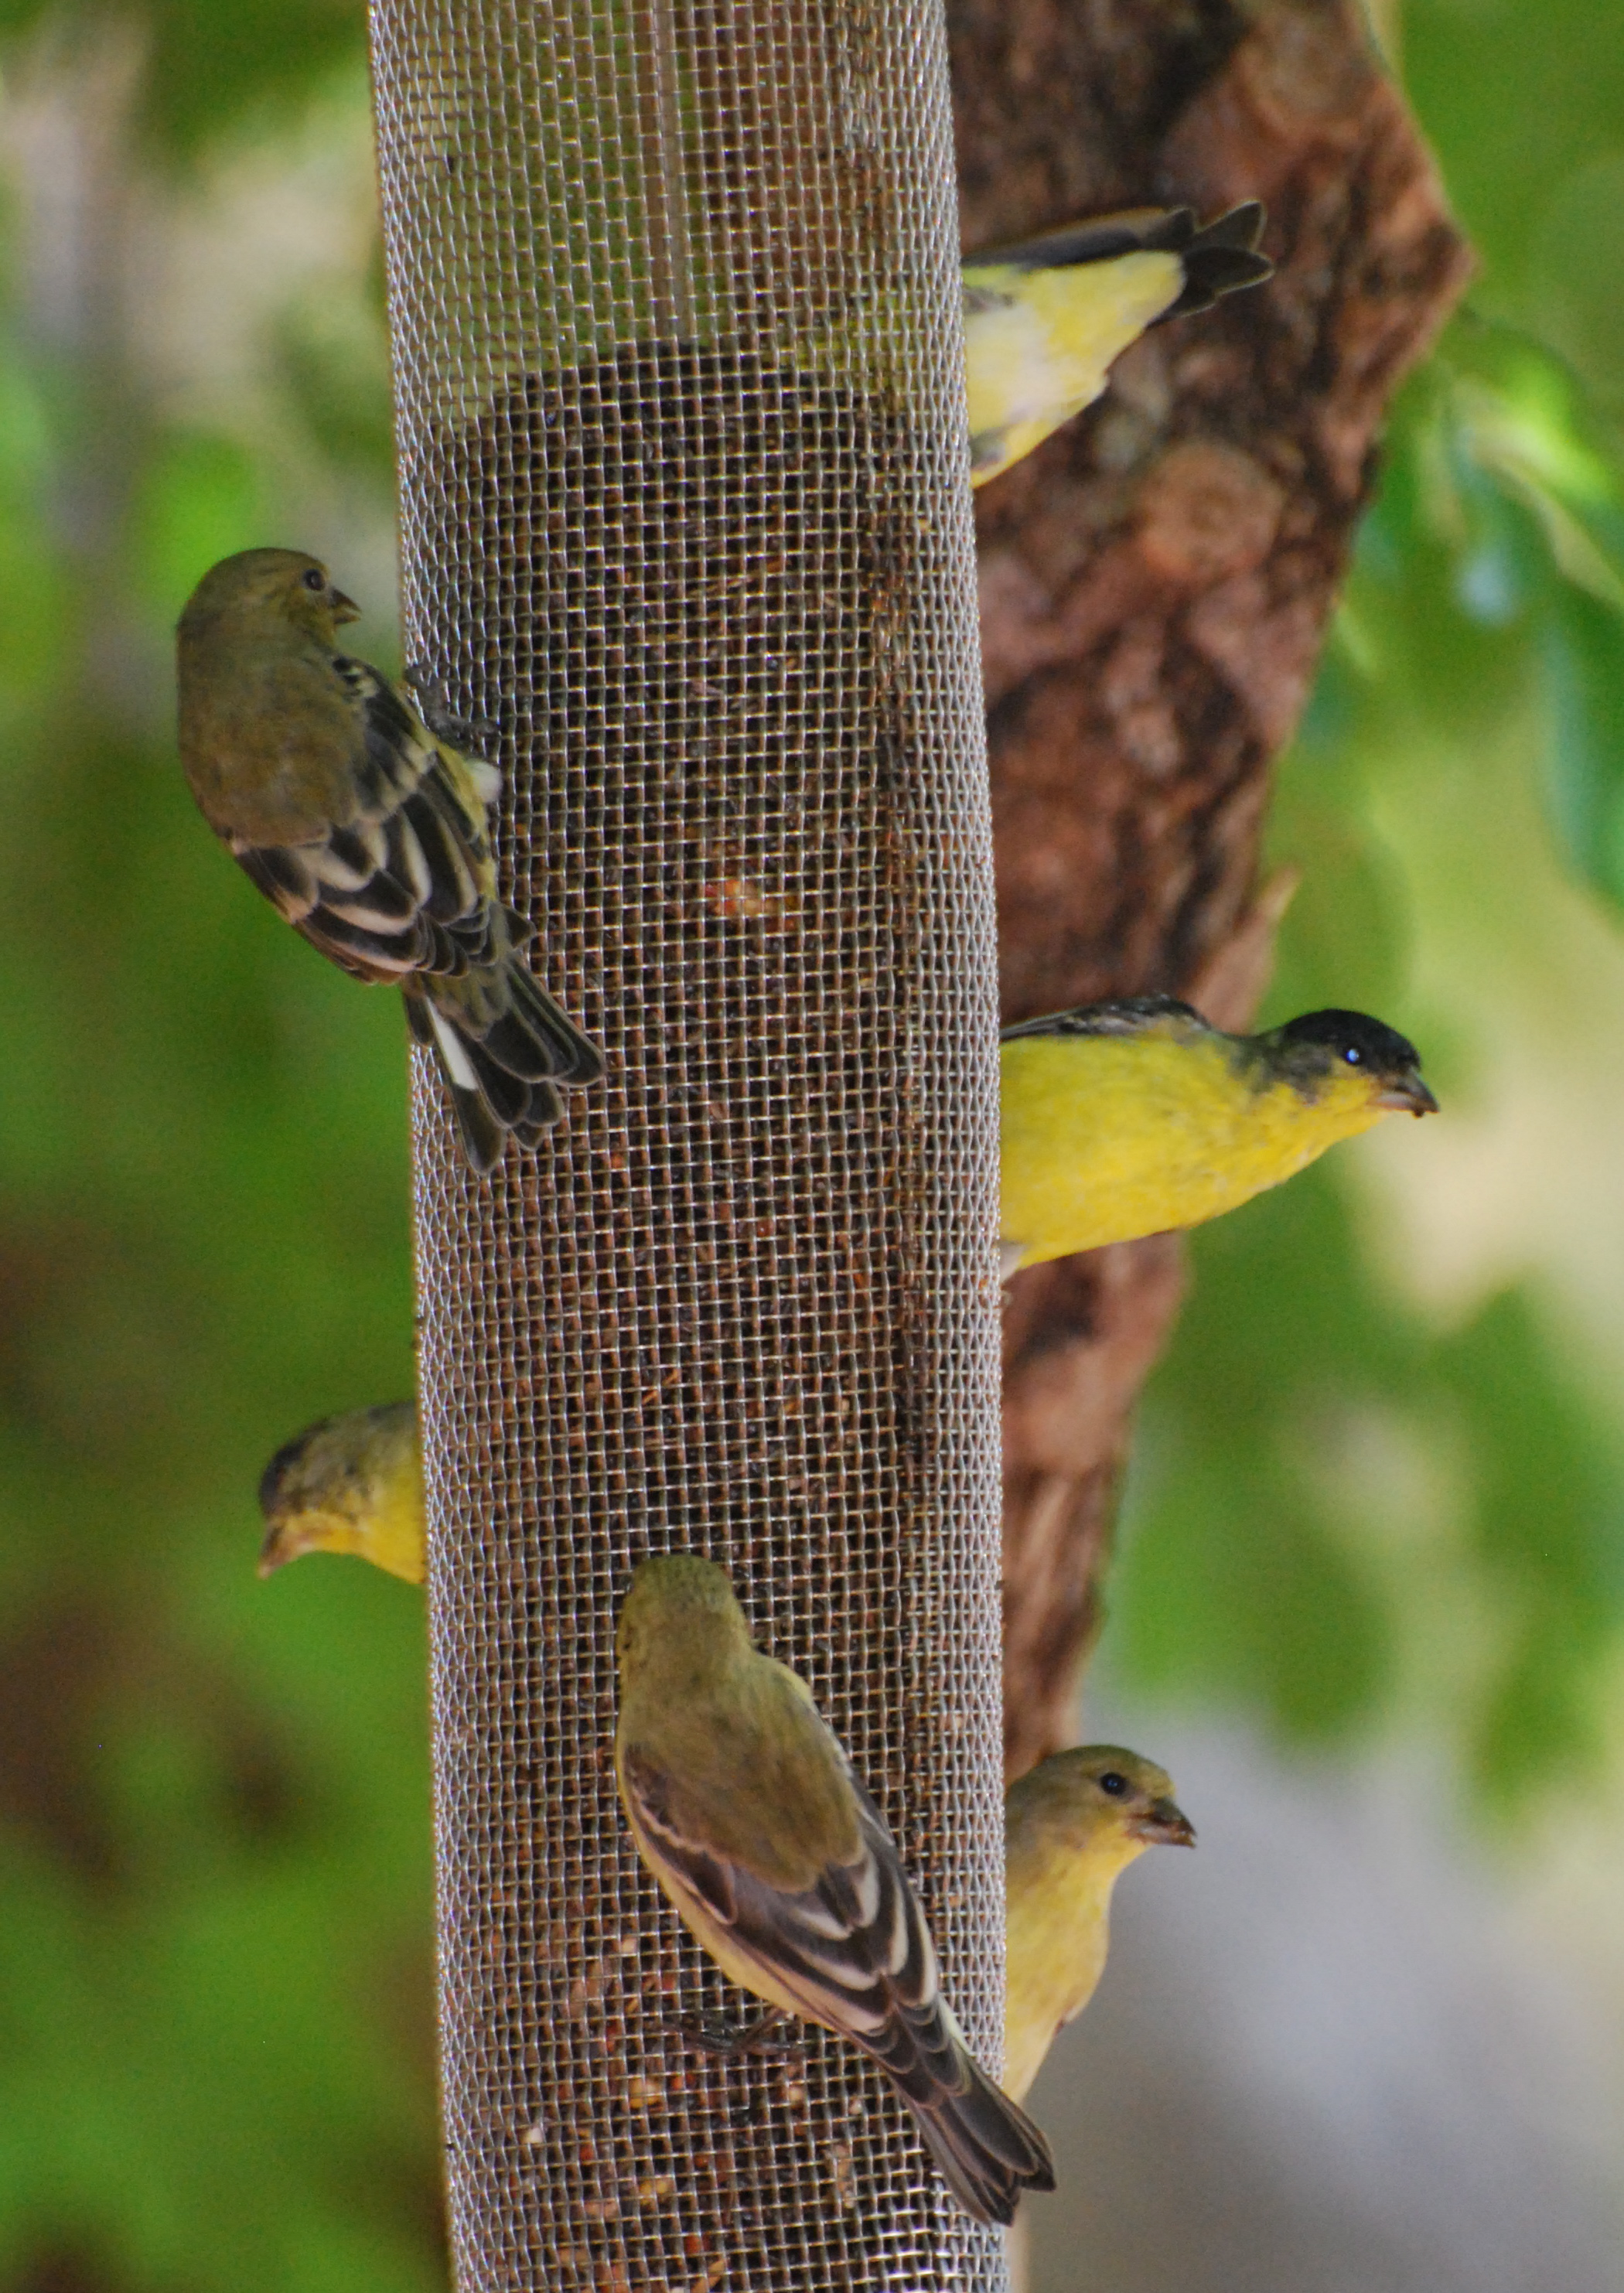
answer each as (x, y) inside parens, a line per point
(1353, 1055)
(1113, 1785)
(316, 578)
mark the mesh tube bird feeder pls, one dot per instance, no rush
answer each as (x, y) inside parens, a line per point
(673, 295)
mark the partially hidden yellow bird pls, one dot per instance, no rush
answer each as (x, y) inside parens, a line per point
(365, 825)
(1071, 1826)
(353, 1483)
(744, 1808)
(1130, 1118)
(1043, 319)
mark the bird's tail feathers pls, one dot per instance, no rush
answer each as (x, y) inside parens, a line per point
(1220, 259)
(575, 1058)
(987, 2148)
(483, 1136)
(504, 1046)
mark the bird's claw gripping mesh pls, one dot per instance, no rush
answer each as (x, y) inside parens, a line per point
(680, 409)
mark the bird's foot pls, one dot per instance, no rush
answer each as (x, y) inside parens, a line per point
(712, 2035)
(469, 734)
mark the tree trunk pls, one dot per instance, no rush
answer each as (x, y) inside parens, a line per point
(1156, 583)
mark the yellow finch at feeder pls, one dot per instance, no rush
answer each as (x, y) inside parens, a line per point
(366, 826)
(744, 1806)
(1128, 1118)
(1044, 319)
(351, 1483)
(1070, 1827)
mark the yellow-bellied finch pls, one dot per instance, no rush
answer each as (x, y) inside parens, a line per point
(349, 1484)
(744, 1807)
(366, 826)
(1070, 1827)
(1044, 318)
(1130, 1118)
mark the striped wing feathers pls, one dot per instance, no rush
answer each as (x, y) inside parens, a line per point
(852, 1950)
(407, 883)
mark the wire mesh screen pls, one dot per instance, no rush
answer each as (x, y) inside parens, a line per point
(680, 406)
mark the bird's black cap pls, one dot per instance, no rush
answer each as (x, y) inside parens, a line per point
(1381, 1049)
(1323, 1038)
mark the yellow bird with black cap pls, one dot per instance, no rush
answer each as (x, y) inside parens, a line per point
(1129, 1118)
(353, 1483)
(1045, 318)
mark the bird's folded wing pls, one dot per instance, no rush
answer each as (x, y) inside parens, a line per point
(1131, 1014)
(853, 1949)
(404, 885)
(1101, 239)
(1218, 259)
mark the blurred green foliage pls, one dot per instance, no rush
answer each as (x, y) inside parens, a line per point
(216, 2064)
(216, 2043)
(1490, 574)
(203, 67)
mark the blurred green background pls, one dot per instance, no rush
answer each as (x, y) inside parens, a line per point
(1379, 1487)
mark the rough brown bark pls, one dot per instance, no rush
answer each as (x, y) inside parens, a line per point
(1156, 583)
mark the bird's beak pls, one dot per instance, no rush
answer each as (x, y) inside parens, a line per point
(1165, 1825)
(1410, 1097)
(277, 1552)
(345, 609)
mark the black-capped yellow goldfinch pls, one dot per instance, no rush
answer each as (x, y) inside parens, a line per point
(1129, 1118)
(1044, 318)
(349, 1484)
(1070, 1827)
(366, 826)
(745, 1809)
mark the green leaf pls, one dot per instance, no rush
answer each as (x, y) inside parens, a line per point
(1525, 421)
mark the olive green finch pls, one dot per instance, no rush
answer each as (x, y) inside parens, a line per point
(366, 826)
(745, 1809)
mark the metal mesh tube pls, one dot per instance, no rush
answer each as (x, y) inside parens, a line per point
(679, 391)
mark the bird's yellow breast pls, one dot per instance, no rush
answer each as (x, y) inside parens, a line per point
(1058, 1934)
(395, 1538)
(1106, 1137)
(382, 1522)
(1040, 349)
